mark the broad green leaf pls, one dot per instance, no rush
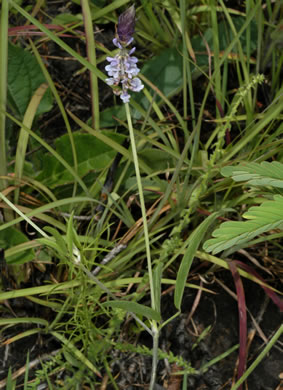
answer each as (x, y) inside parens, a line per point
(71, 359)
(92, 154)
(226, 36)
(63, 19)
(11, 237)
(255, 174)
(134, 307)
(261, 219)
(156, 159)
(109, 115)
(99, 3)
(24, 77)
(191, 245)
(165, 71)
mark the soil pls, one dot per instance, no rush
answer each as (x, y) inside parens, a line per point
(218, 310)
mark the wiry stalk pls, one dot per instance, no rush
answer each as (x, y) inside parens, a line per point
(3, 87)
(123, 70)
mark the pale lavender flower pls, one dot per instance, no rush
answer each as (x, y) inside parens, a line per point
(136, 85)
(123, 67)
(125, 97)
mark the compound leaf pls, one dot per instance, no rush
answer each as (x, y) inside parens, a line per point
(255, 174)
(261, 219)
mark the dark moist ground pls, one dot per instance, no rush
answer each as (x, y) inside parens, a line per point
(218, 310)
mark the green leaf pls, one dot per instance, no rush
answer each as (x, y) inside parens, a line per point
(23, 320)
(99, 3)
(11, 237)
(76, 352)
(107, 118)
(24, 77)
(92, 154)
(71, 359)
(63, 19)
(156, 159)
(263, 218)
(60, 241)
(157, 275)
(226, 35)
(192, 245)
(165, 71)
(10, 384)
(255, 174)
(134, 307)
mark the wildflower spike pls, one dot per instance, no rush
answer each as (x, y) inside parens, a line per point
(123, 67)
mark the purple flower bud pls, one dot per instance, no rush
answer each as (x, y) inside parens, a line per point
(126, 25)
(122, 68)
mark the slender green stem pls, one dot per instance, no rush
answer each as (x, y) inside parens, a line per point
(214, 23)
(154, 329)
(3, 87)
(155, 336)
(183, 24)
(28, 220)
(91, 53)
(140, 189)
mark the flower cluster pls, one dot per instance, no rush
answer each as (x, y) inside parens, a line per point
(123, 67)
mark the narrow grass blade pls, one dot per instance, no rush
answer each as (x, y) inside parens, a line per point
(91, 54)
(272, 295)
(24, 136)
(10, 384)
(193, 243)
(242, 319)
(26, 373)
(135, 308)
(260, 357)
(77, 353)
(23, 320)
(4, 23)
(59, 41)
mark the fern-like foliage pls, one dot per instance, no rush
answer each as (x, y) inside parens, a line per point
(264, 174)
(263, 218)
(260, 219)
(143, 350)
